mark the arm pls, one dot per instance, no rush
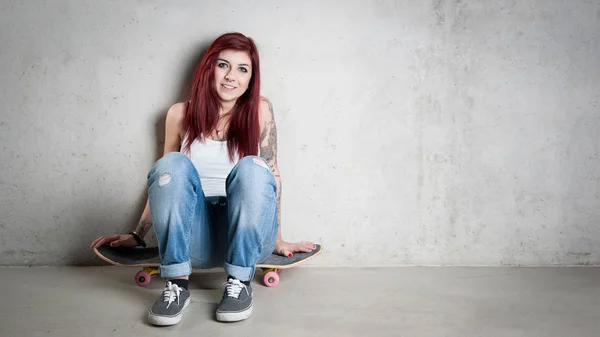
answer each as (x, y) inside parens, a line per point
(268, 151)
(173, 136)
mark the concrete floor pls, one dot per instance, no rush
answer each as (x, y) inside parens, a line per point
(416, 302)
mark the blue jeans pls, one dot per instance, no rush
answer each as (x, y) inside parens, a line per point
(193, 231)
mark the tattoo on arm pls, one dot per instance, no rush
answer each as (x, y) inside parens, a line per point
(143, 228)
(278, 200)
(268, 151)
(268, 139)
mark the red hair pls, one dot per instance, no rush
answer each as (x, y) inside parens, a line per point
(202, 113)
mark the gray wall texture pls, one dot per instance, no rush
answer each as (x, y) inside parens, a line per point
(411, 132)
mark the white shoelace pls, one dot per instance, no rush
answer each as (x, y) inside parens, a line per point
(171, 292)
(234, 288)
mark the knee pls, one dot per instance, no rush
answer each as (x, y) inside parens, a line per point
(171, 164)
(172, 161)
(253, 170)
(254, 164)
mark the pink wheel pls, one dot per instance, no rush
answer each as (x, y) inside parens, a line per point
(271, 279)
(142, 278)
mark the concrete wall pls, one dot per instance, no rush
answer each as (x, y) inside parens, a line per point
(411, 132)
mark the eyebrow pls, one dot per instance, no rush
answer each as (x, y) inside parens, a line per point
(243, 64)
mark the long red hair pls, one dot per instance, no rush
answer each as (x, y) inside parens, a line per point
(202, 113)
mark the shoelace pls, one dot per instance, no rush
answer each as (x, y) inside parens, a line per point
(234, 288)
(171, 292)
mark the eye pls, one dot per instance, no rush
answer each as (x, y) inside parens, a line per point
(222, 65)
(244, 70)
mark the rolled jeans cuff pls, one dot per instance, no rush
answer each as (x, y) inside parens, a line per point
(176, 270)
(241, 273)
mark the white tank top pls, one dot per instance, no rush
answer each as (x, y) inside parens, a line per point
(211, 160)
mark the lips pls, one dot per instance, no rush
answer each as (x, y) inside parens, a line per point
(228, 87)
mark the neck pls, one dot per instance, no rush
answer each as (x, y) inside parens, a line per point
(226, 107)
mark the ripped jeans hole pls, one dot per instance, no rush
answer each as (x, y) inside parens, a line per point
(261, 163)
(164, 179)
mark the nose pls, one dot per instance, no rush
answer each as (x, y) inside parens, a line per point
(229, 76)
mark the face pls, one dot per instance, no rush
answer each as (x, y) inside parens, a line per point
(233, 72)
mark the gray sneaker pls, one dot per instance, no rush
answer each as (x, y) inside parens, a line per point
(167, 310)
(236, 304)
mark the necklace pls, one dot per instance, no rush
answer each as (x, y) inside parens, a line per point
(226, 118)
(220, 132)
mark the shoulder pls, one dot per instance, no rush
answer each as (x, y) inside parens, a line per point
(175, 116)
(176, 112)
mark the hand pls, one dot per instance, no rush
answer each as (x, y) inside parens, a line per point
(125, 240)
(288, 248)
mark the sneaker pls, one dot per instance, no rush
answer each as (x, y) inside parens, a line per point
(236, 304)
(167, 310)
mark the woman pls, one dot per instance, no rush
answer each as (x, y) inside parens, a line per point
(214, 197)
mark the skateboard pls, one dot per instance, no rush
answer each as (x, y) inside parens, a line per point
(149, 260)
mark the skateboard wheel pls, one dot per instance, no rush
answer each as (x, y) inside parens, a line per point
(142, 278)
(271, 279)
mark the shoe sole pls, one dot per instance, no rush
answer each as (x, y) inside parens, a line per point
(167, 320)
(234, 316)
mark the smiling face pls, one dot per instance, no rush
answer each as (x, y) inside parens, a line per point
(233, 73)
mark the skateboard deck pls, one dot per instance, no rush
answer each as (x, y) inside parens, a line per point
(149, 260)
